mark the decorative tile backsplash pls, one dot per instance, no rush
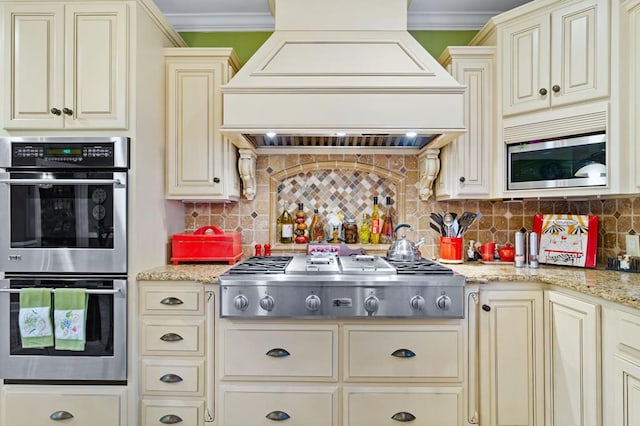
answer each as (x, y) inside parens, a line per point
(299, 177)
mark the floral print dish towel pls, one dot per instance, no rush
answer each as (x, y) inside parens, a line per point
(69, 318)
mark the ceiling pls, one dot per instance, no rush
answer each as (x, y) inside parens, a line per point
(254, 15)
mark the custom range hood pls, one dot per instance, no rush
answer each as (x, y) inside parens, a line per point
(342, 73)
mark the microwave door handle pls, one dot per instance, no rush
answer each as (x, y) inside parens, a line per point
(116, 182)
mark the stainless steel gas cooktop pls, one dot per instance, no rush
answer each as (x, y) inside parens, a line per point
(330, 286)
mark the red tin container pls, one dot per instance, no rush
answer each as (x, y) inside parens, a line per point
(208, 243)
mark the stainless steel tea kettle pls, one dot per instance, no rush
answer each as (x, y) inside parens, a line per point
(402, 249)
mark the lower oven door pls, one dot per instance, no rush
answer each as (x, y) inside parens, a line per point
(105, 352)
(63, 221)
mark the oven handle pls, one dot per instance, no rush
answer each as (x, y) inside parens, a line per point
(116, 182)
(88, 291)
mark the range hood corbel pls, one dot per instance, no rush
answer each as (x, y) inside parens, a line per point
(342, 66)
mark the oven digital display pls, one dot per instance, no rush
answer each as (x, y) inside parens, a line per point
(64, 151)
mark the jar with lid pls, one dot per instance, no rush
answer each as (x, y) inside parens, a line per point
(350, 232)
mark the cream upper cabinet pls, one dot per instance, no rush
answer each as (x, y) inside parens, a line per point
(555, 58)
(464, 173)
(573, 370)
(202, 164)
(65, 66)
(511, 358)
(630, 80)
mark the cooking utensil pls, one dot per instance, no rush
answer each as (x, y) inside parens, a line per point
(439, 221)
(448, 222)
(403, 249)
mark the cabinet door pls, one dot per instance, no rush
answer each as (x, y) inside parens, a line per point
(33, 66)
(47, 405)
(632, 50)
(194, 143)
(580, 52)
(511, 358)
(525, 65)
(627, 391)
(95, 79)
(572, 361)
(464, 171)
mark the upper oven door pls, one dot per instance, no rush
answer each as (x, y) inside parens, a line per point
(60, 222)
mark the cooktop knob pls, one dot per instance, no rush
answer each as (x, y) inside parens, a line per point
(241, 302)
(371, 304)
(443, 303)
(417, 303)
(267, 303)
(312, 302)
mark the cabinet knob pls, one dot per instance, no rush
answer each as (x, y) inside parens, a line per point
(216, 180)
(486, 308)
(555, 88)
(60, 415)
(67, 111)
(542, 91)
(462, 179)
(56, 111)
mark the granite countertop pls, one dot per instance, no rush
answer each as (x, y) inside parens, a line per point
(618, 287)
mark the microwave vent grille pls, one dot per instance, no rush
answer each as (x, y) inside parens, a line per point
(576, 124)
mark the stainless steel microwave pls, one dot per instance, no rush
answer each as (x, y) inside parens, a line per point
(569, 162)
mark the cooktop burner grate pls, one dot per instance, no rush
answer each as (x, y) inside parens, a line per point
(419, 267)
(262, 265)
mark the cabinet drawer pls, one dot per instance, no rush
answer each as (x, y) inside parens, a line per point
(440, 406)
(178, 337)
(628, 328)
(264, 406)
(165, 300)
(262, 353)
(29, 407)
(161, 413)
(411, 353)
(172, 377)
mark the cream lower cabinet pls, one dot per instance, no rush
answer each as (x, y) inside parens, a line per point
(68, 405)
(573, 361)
(347, 373)
(65, 65)
(626, 368)
(202, 163)
(176, 348)
(464, 172)
(511, 358)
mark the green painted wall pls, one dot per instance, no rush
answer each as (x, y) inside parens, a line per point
(246, 43)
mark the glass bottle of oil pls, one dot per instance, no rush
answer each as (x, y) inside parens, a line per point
(386, 235)
(285, 226)
(376, 226)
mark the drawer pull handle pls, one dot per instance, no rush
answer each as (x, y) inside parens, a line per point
(170, 419)
(61, 415)
(278, 353)
(170, 301)
(170, 378)
(277, 416)
(171, 337)
(403, 353)
(403, 416)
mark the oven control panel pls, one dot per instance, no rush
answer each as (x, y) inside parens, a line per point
(57, 155)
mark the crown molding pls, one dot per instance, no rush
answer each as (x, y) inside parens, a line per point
(213, 22)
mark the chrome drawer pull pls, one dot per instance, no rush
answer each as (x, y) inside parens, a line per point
(278, 353)
(61, 415)
(278, 416)
(170, 301)
(403, 416)
(403, 353)
(170, 378)
(171, 337)
(170, 419)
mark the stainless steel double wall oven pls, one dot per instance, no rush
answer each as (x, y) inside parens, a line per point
(63, 223)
